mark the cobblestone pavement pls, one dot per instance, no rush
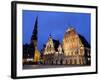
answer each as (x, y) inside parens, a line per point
(50, 66)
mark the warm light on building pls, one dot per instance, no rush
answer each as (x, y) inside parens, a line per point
(71, 51)
(36, 55)
(49, 49)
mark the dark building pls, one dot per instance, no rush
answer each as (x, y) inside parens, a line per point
(87, 49)
(30, 51)
(34, 38)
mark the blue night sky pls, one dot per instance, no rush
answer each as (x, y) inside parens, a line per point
(54, 23)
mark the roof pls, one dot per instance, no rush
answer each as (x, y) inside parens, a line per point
(56, 44)
(84, 41)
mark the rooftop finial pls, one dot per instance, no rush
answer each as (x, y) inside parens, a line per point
(70, 29)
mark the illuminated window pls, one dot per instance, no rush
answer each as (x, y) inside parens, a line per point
(76, 52)
(81, 50)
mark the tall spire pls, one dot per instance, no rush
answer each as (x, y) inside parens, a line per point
(34, 37)
(35, 32)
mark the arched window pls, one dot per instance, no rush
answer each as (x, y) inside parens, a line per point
(81, 51)
(76, 52)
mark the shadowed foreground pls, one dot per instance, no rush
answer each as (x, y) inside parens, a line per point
(50, 66)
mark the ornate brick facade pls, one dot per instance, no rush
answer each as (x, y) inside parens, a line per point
(73, 50)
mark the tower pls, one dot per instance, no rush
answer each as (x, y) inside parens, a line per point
(34, 40)
(34, 34)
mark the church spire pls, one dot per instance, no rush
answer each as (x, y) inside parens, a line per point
(35, 32)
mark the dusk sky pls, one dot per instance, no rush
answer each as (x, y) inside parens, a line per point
(54, 23)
